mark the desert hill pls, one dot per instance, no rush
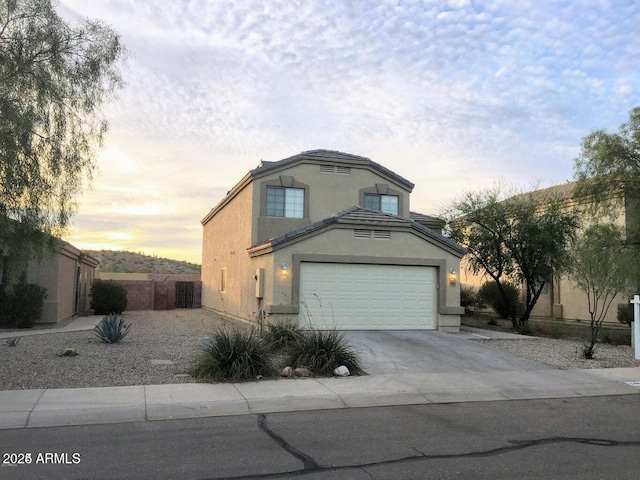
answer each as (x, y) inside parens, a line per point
(130, 262)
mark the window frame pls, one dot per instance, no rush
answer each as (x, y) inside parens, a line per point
(379, 204)
(291, 204)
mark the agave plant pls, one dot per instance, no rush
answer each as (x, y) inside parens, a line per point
(111, 329)
(13, 341)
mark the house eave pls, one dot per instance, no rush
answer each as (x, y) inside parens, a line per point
(327, 157)
(270, 246)
(231, 194)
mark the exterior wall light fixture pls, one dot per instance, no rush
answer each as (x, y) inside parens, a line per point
(453, 277)
(284, 268)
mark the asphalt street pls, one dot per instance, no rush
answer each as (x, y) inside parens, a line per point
(569, 438)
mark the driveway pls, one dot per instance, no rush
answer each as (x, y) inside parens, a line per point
(417, 351)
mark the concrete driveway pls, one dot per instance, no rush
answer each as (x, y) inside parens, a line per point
(416, 351)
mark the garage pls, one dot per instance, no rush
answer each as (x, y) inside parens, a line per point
(368, 297)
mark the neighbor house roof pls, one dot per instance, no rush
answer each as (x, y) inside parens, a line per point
(358, 216)
(428, 220)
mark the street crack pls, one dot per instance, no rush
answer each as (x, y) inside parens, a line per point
(307, 462)
(311, 466)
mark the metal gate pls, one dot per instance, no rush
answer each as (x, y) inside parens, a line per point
(185, 294)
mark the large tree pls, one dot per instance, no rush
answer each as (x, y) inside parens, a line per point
(608, 174)
(54, 79)
(477, 221)
(522, 237)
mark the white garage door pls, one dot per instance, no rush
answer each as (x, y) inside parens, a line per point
(367, 297)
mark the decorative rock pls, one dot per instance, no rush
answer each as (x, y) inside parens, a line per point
(341, 371)
(302, 372)
(69, 352)
(287, 372)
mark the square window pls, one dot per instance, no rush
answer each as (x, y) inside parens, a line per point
(275, 202)
(372, 202)
(389, 204)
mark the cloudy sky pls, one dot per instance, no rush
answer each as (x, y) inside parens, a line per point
(453, 95)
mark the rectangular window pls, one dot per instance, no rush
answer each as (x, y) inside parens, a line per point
(223, 280)
(285, 202)
(382, 203)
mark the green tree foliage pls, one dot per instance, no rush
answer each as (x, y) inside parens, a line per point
(21, 305)
(107, 297)
(610, 162)
(54, 78)
(608, 174)
(505, 302)
(477, 222)
(523, 238)
(600, 268)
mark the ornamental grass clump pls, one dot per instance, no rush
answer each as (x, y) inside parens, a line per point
(111, 329)
(282, 334)
(235, 356)
(321, 351)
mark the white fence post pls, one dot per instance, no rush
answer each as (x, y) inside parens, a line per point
(636, 324)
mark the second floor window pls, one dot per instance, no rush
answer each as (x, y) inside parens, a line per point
(285, 202)
(382, 203)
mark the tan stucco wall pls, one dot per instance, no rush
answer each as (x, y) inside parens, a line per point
(226, 237)
(58, 274)
(327, 195)
(339, 245)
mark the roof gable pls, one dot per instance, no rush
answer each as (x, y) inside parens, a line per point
(358, 216)
(329, 157)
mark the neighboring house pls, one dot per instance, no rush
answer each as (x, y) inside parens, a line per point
(327, 239)
(67, 275)
(560, 298)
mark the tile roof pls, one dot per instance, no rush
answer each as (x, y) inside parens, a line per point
(329, 156)
(357, 215)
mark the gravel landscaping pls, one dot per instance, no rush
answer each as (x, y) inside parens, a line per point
(161, 346)
(159, 349)
(559, 344)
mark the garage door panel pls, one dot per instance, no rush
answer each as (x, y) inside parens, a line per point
(355, 296)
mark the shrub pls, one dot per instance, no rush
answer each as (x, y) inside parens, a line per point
(108, 297)
(235, 356)
(467, 296)
(22, 304)
(490, 295)
(321, 351)
(527, 328)
(111, 329)
(282, 334)
(625, 313)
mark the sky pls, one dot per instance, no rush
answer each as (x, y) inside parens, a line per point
(452, 95)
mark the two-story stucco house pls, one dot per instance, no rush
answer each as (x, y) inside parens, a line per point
(327, 239)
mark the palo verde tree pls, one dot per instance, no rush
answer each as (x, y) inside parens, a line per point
(600, 267)
(54, 79)
(522, 237)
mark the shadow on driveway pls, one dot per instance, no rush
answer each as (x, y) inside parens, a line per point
(418, 351)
